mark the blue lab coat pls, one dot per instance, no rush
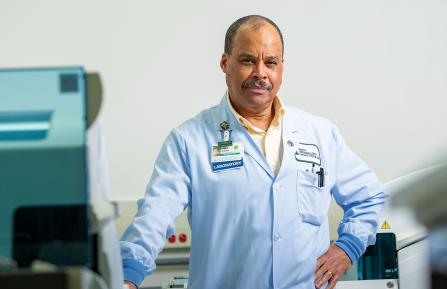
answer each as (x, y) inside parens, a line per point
(250, 228)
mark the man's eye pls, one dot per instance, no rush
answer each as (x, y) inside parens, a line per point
(247, 61)
(271, 62)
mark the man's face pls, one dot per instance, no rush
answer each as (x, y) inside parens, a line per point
(255, 66)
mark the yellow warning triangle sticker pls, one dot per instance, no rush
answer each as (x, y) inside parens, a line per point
(385, 226)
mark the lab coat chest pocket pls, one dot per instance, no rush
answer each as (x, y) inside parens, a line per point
(313, 201)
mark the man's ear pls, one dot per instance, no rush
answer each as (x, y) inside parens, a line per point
(224, 62)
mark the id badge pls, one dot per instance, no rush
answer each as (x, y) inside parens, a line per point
(227, 156)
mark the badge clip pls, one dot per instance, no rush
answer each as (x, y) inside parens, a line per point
(226, 135)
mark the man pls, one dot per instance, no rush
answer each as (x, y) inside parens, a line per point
(257, 178)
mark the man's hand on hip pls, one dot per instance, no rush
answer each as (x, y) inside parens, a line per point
(331, 266)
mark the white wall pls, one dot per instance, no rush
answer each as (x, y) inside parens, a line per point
(377, 68)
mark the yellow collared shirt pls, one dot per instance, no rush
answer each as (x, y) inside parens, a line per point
(269, 142)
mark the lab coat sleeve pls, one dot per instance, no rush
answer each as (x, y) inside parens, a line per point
(361, 195)
(167, 196)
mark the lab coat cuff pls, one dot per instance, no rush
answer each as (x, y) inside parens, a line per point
(133, 271)
(351, 245)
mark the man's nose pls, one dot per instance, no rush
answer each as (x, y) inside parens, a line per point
(259, 71)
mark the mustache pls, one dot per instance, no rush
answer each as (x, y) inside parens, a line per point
(256, 83)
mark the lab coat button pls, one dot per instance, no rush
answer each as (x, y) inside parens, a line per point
(276, 237)
(276, 186)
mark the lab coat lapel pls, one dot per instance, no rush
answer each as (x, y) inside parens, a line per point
(239, 134)
(293, 132)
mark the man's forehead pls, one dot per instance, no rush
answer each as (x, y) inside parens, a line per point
(261, 33)
(249, 41)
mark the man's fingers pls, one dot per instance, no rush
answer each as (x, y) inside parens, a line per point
(320, 273)
(332, 282)
(323, 280)
(321, 267)
(331, 266)
(320, 261)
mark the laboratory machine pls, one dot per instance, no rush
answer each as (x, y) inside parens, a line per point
(57, 226)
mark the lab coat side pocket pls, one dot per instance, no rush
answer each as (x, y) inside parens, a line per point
(313, 201)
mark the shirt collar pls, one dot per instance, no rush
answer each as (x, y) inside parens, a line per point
(278, 106)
